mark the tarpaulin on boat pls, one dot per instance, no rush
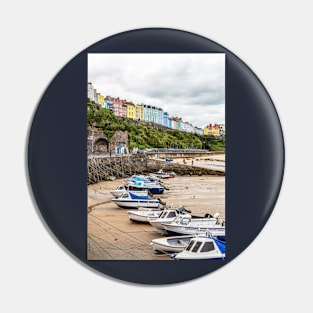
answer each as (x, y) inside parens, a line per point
(221, 245)
(133, 196)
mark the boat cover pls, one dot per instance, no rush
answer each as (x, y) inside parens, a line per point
(221, 245)
(139, 179)
(133, 196)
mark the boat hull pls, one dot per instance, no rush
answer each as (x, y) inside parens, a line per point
(118, 193)
(157, 223)
(175, 230)
(153, 190)
(189, 256)
(143, 216)
(136, 204)
(171, 244)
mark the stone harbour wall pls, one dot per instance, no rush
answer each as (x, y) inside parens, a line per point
(109, 168)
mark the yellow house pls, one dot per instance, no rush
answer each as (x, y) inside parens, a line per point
(214, 129)
(139, 112)
(101, 99)
(131, 110)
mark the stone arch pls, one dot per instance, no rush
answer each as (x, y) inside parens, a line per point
(101, 145)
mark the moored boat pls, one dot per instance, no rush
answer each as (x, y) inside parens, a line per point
(163, 175)
(167, 216)
(187, 225)
(202, 247)
(171, 243)
(142, 183)
(143, 216)
(130, 200)
(122, 188)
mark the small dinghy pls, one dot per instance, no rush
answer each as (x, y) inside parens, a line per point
(171, 244)
(143, 216)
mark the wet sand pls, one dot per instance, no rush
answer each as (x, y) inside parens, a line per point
(215, 162)
(112, 236)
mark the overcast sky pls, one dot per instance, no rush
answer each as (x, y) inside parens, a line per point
(190, 86)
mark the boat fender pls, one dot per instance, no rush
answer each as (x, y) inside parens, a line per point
(173, 255)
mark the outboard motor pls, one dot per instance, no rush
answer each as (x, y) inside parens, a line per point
(182, 209)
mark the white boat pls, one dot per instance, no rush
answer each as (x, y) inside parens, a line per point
(143, 215)
(159, 208)
(202, 247)
(187, 225)
(171, 243)
(167, 216)
(163, 175)
(122, 188)
(130, 200)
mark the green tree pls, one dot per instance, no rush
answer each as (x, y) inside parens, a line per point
(144, 136)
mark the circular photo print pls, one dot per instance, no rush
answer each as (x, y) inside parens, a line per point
(137, 156)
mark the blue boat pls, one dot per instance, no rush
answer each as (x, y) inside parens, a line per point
(131, 200)
(142, 183)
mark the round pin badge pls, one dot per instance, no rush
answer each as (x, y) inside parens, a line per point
(155, 156)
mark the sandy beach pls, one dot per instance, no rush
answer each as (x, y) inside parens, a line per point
(112, 236)
(215, 162)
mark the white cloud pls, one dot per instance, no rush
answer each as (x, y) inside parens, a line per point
(191, 86)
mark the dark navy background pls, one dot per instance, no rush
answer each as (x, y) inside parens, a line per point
(57, 155)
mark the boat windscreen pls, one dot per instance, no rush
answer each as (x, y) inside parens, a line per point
(196, 247)
(171, 214)
(190, 245)
(208, 246)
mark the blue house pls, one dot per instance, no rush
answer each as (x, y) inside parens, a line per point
(165, 119)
